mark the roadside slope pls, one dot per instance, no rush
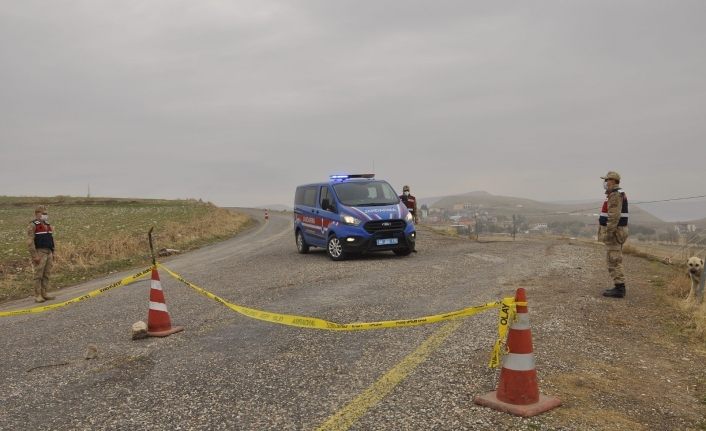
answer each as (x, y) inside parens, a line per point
(99, 236)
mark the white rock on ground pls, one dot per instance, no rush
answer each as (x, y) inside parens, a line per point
(91, 352)
(139, 330)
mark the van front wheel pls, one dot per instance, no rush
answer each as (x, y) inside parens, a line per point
(335, 248)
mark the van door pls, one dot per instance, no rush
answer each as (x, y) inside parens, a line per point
(306, 212)
(327, 211)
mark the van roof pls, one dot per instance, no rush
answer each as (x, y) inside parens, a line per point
(338, 181)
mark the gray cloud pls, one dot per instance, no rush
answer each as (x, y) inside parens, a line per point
(240, 102)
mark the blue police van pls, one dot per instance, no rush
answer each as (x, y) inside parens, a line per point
(352, 214)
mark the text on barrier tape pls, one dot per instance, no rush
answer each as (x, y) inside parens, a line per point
(124, 282)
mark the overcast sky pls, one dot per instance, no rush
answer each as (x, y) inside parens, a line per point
(239, 102)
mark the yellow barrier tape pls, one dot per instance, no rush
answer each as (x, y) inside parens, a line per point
(507, 316)
(316, 323)
(124, 282)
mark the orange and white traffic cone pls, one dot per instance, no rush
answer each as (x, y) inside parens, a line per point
(518, 392)
(158, 322)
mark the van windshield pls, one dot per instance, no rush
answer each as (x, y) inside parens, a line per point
(366, 194)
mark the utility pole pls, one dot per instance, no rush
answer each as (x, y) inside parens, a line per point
(88, 195)
(477, 227)
(700, 290)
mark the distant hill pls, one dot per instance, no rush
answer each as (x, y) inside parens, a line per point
(684, 211)
(431, 200)
(670, 211)
(536, 211)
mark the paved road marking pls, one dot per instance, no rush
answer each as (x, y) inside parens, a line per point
(345, 417)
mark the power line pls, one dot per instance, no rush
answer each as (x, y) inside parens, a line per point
(669, 200)
(633, 203)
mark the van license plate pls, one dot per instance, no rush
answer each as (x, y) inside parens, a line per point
(387, 241)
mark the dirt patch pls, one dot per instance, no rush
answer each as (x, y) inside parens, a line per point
(632, 364)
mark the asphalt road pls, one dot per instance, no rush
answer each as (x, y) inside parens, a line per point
(226, 371)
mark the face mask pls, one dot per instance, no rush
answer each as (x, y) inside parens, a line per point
(44, 217)
(605, 185)
(406, 193)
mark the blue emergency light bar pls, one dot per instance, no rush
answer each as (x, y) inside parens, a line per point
(349, 176)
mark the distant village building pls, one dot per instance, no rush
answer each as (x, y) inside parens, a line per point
(539, 227)
(684, 228)
(458, 207)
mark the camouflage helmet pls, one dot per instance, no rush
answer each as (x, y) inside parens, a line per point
(405, 188)
(40, 209)
(612, 175)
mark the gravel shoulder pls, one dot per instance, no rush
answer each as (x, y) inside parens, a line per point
(615, 364)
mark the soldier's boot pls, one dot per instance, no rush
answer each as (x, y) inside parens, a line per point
(617, 292)
(38, 292)
(45, 295)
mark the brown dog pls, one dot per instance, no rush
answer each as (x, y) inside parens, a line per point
(695, 266)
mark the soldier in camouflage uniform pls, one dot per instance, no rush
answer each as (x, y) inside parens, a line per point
(40, 241)
(613, 231)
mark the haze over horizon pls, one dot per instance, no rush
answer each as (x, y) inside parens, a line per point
(239, 102)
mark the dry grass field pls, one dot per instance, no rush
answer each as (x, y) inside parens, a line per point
(98, 236)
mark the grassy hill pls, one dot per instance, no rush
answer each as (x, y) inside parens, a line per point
(97, 236)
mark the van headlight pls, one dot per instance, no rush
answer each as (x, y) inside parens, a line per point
(409, 217)
(350, 220)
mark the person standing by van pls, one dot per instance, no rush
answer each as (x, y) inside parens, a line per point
(410, 202)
